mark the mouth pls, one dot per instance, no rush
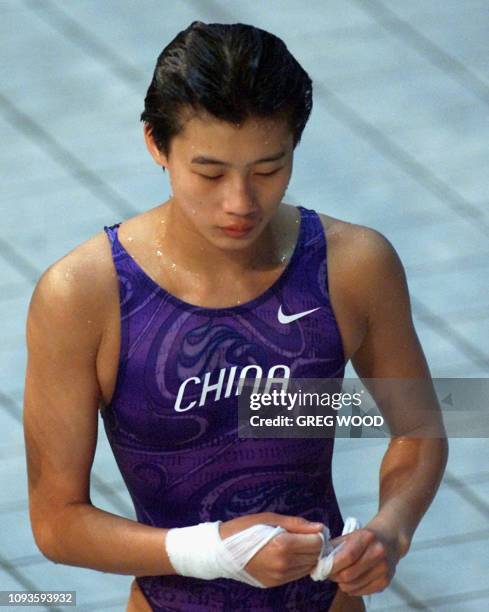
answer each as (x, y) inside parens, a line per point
(237, 231)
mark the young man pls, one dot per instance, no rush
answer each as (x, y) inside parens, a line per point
(160, 320)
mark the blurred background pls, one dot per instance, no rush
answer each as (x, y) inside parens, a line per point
(397, 140)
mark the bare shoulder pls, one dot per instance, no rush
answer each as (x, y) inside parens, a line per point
(78, 287)
(359, 248)
(363, 268)
(346, 235)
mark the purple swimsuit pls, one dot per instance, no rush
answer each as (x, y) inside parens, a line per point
(172, 422)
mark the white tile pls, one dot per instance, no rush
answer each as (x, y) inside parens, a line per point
(468, 456)
(468, 262)
(36, 222)
(418, 93)
(386, 600)
(481, 489)
(15, 290)
(12, 444)
(459, 369)
(476, 332)
(465, 603)
(12, 368)
(11, 342)
(446, 570)
(449, 515)
(277, 16)
(345, 58)
(13, 476)
(338, 173)
(144, 187)
(437, 243)
(453, 295)
(9, 274)
(10, 424)
(13, 314)
(16, 535)
(437, 347)
(56, 58)
(421, 9)
(356, 471)
(8, 582)
(458, 30)
(452, 148)
(119, 26)
(24, 158)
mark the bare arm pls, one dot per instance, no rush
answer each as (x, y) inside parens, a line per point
(64, 328)
(413, 464)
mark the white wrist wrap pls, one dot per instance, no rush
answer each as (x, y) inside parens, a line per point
(199, 552)
(328, 552)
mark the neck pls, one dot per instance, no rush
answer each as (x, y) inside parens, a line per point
(187, 247)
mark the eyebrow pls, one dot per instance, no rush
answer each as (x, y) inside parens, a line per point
(212, 161)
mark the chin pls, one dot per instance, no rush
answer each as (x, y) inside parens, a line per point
(234, 244)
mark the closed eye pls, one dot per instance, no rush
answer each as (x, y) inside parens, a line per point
(214, 178)
(268, 173)
(210, 178)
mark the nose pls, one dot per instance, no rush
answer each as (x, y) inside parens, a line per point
(240, 198)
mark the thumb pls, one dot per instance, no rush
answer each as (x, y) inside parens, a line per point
(296, 524)
(337, 540)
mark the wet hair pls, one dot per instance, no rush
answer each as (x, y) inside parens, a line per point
(231, 71)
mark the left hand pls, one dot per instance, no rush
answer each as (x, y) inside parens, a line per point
(367, 561)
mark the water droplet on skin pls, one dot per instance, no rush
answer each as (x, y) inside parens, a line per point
(162, 220)
(173, 267)
(89, 321)
(129, 238)
(159, 253)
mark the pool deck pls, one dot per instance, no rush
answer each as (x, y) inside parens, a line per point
(397, 140)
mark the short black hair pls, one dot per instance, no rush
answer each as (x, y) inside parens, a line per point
(231, 71)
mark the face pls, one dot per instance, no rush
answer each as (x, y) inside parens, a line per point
(228, 180)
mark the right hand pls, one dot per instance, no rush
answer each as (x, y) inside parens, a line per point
(288, 556)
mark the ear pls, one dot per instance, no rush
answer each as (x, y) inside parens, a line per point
(159, 157)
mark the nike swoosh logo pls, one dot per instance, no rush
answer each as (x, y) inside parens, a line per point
(283, 318)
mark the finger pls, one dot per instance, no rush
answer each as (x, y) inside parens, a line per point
(293, 524)
(302, 543)
(293, 572)
(299, 572)
(336, 541)
(375, 586)
(353, 548)
(298, 548)
(307, 557)
(364, 580)
(373, 556)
